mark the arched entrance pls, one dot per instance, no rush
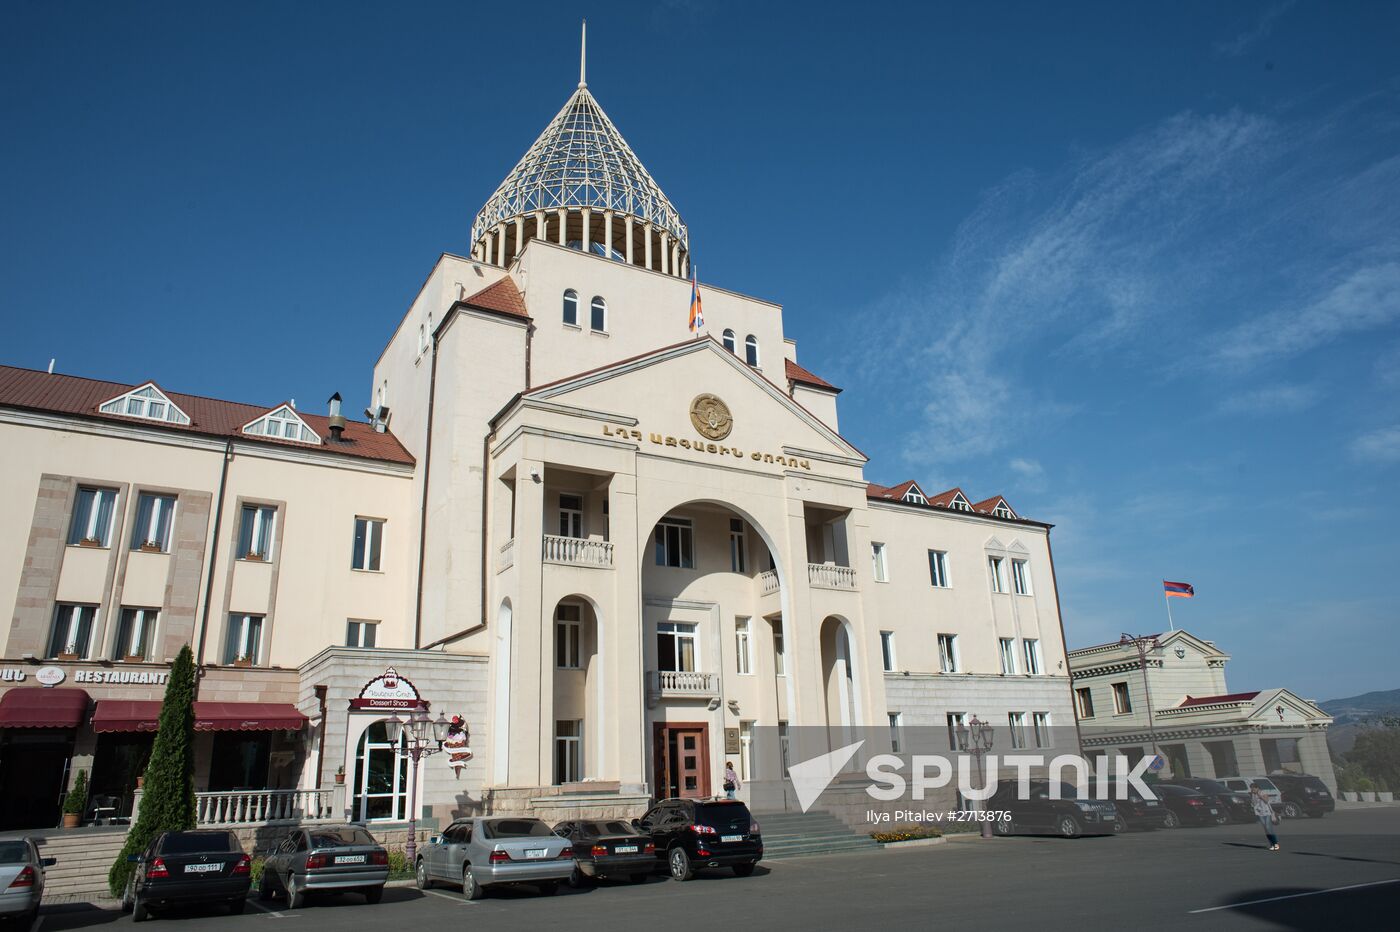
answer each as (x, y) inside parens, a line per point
(840, 673)
(577, 748)
(380, 785)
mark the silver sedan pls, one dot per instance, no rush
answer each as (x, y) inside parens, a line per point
(21, 879)
(483, 852)
(325, 858)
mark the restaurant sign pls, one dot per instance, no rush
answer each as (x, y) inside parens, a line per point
(388, 691)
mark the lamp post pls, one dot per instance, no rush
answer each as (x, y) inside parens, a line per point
(975, 737)
(424, 738)
(1144, 643)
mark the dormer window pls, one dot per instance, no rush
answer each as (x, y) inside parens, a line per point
(146, 402)
(914, 496)
(282, 424)
(1002, 511)
(959, 503)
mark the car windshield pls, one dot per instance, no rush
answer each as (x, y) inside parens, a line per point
(1312, 783)
(342, 837)
(1210, 786)
(1264, 784)
(197, 843)
(516, 828)
(722, 814)
(13, 852)
(608, 828)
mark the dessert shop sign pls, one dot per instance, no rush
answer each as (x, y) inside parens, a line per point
(388, 691)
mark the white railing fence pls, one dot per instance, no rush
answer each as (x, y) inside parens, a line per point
(768, 582)
(685, 682)
(578, 551)
(246, 807)
(831, 576)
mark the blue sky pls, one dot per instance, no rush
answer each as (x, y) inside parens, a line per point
(1135, 266)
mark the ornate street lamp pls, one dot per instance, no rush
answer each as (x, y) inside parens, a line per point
(424, 738)
(975, 737)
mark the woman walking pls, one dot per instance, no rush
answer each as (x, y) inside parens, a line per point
(731, 779)
(1264, 811)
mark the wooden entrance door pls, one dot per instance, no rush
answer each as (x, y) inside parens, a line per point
(682, 758)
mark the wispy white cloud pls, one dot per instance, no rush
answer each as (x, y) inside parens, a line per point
(1233, 48)
(1271, 399)
(1030, 475)
(1380, 446)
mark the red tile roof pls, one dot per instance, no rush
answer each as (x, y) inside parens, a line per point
(941, 500)
(73, 395)
(501, 297)
(1215, 700)
(796, 373)
(945, 499)
(987, 506)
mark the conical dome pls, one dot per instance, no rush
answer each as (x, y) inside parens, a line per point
(581, 185)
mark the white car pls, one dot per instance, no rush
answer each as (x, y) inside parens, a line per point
(1266, 786)
(21, 879)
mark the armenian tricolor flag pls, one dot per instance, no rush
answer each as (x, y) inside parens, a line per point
(697, 316)
(1180, 590)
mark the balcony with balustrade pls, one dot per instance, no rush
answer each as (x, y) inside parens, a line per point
(577, 551)
(681, 684)
(830, 576)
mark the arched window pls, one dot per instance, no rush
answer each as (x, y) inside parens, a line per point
(598, 315)
(751, 350)
(381, 777)
(729, 341)
(571, 307)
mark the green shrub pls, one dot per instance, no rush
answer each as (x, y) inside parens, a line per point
(76, 800)
(906, 833)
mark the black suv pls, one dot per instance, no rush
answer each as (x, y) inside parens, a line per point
(1303, 795)
(695, 833)
(1234, 804)
(1070, 815)
(1137, 812)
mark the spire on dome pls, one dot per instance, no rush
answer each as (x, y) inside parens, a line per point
(583, 56)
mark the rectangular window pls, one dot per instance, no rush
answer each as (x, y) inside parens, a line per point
(746, 751)
(72, 631)
(1031, 648)
(1040, 723)
(92, 517)
(1017, 723)
(675, 646)
(779, 657)
(154, 515)
(877, 558)
(1008, 656)
(568, 751)
(998, 573)
(742, 651)
(675, 545)
(1085, 698)
(948, 653)
(887, 650)
(1021, 577)
(938, 568)
(568, 636)
(1122, 704)
(255, 532)
(896, 726)
(369, 541)
(135, 635)
(360, 633)
(737, 562)
(570, 515)
(244, 645)
(956, 720)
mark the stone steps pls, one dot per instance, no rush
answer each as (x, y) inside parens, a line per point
(795, 835)
(83, 862)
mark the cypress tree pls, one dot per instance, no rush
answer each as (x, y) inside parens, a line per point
(167, 803)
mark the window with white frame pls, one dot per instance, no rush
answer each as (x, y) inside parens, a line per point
(568, 636)
(598, 315)
(1040, 726)
(361, 633)
(729, 341)
(675, 646)
(956, 720)
(146, 402)
(571, 307)
(675, 543)
(1008, 656)
(284, 424)
(1003, 510)
(1031, 648)
(570, 515)
(72, 631)
(1021, 577)
(1085, 698)
(779, 655)
(746, 750)
(877, 559)
(913, 496)
(92, 517)
(960, 503)
(1122, 702)
(751, 350)
(244, 644)
(1017, 723)
(738, 559)
(154, 515)
(996, 567)
(938, 568)
(255, 532)
(948, 653)
(369, 542)
(743, 648)
(136, 631)
(887, 654)
(568, 751)
(896, 727)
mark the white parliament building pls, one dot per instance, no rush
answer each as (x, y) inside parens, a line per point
(615, 547)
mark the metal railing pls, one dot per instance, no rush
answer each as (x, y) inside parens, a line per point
(577, 551)
(768, 582)
(250, 807)
(831, 576)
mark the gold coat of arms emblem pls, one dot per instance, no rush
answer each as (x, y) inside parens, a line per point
(711, 417)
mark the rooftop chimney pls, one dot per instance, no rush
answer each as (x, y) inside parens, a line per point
(337, 420)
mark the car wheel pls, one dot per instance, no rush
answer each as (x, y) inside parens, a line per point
(640, 878)
(548, 887)
(236, 907)
(1067, 826)
(126, 899)
(743, 870)
(1171, 820)
(265, 889)
(578, 879)
(373, 895)
(470, 888)
(296, 897)
(1292, 811)
(1003, 827)
(139, 912)
(1119, 825)
(420, 876)
(679, 862)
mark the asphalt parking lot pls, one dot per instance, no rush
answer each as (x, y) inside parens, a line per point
(1337, 871)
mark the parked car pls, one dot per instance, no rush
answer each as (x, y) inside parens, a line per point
(1266, 786)
(1137, 811)
(1052, 809)
(695, 833)
(480, 853)
(1304, 795)
(1186, 806)
(179, 868)
(21, 879)
(325, 858)
(1233, 803)
(608, 848)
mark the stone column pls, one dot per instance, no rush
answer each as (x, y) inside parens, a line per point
(646, 231)
(541, 225)
(587, 216)
(532, 667)
(1314, 758)
(665, 253)
(627, 234)
(519, 236)
(563, 226)
(501, 245)
(607, 233)
(625, 658)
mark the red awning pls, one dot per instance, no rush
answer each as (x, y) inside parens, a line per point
(43, 708)
(144, 715)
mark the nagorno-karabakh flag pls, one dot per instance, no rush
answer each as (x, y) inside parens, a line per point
(697, 316)
(1180, 590)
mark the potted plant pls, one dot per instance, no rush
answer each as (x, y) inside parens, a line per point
(151, 546)
(76, 801)
(243, 662)
(66, 655)
(90, 542)
(340, 774)
(254, 557)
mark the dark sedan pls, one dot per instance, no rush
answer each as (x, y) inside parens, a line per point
(608, 848)
(188, 867)
(1136, 812)
(1186, 806)
(1235, 805)
(325, 858)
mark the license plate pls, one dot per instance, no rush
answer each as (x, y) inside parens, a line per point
(625, 849)
(731, 838)
(536, 852)
(1152, 804)
(349, 859)
(203, 868)
(1212, 812)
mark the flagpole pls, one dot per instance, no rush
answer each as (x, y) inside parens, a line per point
(1168, 599)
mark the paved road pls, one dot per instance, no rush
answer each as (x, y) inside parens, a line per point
(1152, 880)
